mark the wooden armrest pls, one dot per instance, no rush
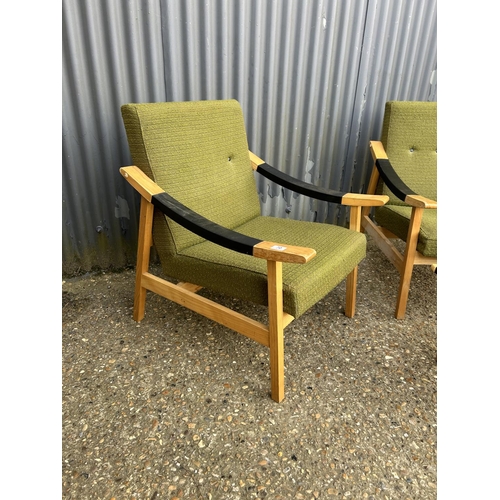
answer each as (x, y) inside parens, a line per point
(420, 201)
(255, 160)
(210, 230)
(141, 182)
(283, 253)
(319, 193)
(377, 150)
(364, 200)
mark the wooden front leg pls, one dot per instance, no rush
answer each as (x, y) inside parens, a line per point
(408, 260)
(143, 253)
(352, 278)
(276, 337)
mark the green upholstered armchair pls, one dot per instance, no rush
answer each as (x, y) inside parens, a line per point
(200, 207)
(406, 170)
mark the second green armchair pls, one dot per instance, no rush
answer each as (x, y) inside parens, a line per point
(405, 169)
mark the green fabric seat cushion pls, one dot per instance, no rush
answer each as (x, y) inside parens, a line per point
(338, 249)
(396, 218)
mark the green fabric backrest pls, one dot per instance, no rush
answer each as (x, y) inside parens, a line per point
(409, 135)
(171, 140)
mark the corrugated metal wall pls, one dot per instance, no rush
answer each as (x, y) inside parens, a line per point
(312, 78)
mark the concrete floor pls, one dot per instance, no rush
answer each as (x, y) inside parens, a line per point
(178, 406)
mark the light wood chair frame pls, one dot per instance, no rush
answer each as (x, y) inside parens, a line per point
(271, 335)
(410, 257)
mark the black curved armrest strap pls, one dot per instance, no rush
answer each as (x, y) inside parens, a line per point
(228, 238)
(392, 179)
(298, 186)
(319, 193)
(399, 188)
(203, 227)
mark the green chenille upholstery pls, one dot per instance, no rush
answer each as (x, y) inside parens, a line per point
(198, 153)
(409, 136)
